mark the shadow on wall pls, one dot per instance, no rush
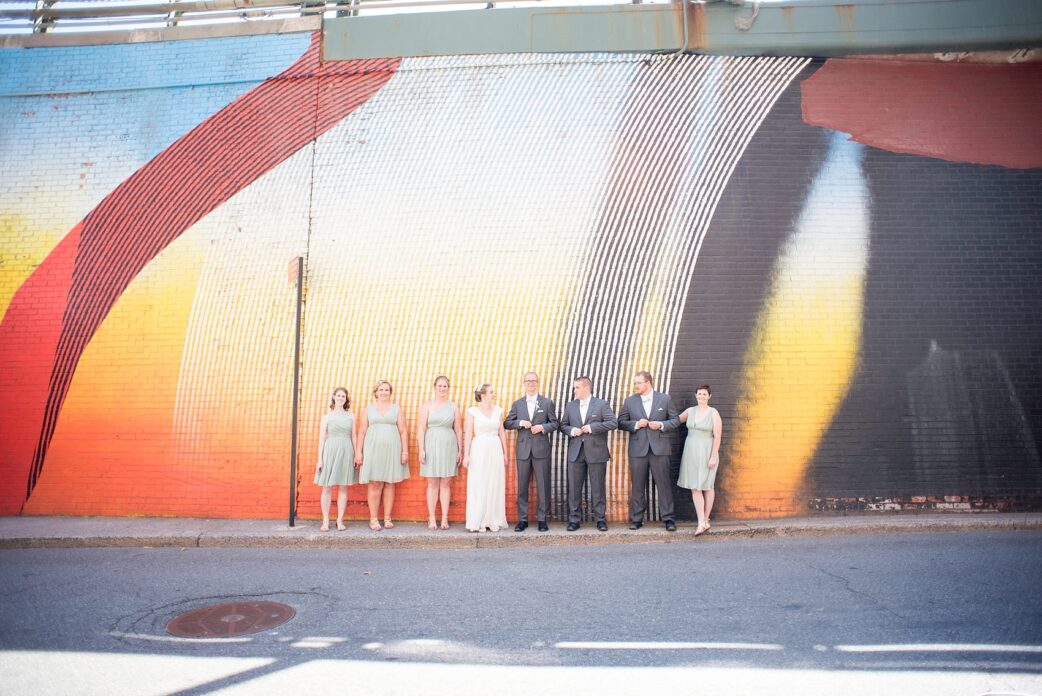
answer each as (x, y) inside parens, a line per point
(966, 422)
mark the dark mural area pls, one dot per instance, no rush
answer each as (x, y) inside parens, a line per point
(947, 396)
(732, 278)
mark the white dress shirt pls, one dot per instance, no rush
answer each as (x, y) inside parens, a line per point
(647, 403)
(533, 404)
(584, 407)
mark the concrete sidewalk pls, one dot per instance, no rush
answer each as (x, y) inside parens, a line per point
(72, 532)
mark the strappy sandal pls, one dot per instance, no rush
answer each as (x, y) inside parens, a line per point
(340, 526)
(387, 523)
(444, 524)
(374, 524)
(432, 524)
(324, 528)
(700, 530)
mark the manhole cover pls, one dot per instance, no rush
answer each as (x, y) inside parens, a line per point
(232, 619)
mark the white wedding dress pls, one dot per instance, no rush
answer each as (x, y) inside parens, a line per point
(486, 477)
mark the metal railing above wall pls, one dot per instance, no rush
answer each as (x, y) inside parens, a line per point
(73, 22)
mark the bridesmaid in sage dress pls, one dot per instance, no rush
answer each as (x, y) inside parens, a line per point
(440, 438)
(336, 456)
(701, 458)
(382, 452)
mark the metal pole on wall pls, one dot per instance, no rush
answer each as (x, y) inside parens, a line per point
(297, 269)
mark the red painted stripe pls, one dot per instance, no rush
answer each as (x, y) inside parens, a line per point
(56, 312)
(27, 350)
(961, 112)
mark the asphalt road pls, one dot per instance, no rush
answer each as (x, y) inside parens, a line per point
(947, 613)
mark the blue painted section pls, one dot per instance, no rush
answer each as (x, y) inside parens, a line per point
(130, 102)
(147, 65)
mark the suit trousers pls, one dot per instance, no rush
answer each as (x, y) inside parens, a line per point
(659, 466)
(541, 467)
(577, 475)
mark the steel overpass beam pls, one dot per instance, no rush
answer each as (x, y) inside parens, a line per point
(785, 27)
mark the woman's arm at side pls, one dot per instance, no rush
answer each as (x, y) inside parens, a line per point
(457, 427)
(363, 425)
(321, 440)
(403, 433)
(421, 430)
(468, 435)
(718, 431)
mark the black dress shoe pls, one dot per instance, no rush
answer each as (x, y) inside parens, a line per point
(543, 527)
(572, 526)
(636, 525)
(671, 526)
(602, 525)
(521, 526)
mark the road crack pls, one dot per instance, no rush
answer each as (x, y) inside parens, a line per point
(846, 582)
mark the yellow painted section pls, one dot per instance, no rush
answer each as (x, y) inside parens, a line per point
(806, 345)
(804, 355)
(116, 419)
(411, 332)
(22, 248)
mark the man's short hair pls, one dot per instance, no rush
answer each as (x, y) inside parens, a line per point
(585, 381)
(646, 375)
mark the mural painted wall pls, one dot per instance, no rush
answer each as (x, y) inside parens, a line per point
(860, 289)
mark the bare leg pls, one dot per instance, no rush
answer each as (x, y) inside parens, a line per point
(372, 495)
(341, 507)
(388, 504)
(446, 494)
(432, 501)
(327, 497)
(710, 499)
(700, 509)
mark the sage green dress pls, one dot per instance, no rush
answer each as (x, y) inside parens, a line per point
(440, 447)
(382, 449)
(698, 447)
(338, 452)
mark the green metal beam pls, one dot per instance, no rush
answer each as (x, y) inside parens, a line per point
(792, 27)
(829, 28)
(629, 28)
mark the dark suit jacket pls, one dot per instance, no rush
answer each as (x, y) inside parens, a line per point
(646, 440)
(529, 445)
(601, 420)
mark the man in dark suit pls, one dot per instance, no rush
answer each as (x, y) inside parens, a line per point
(649, 417)
(534, 417)
(587, 421)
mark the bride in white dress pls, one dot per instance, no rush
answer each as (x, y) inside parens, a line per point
(484, 456)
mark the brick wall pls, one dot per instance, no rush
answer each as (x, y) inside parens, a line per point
(868, 319)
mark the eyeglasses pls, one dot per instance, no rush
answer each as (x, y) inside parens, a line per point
(531, 381)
